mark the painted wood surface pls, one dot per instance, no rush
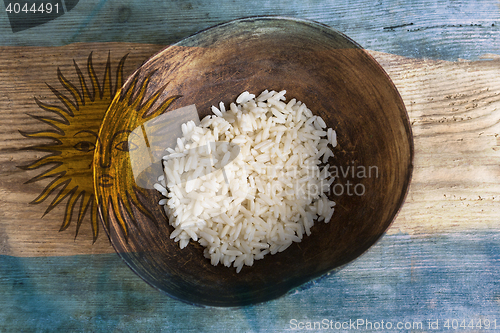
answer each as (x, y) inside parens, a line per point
(438, 29)
(402, 279)
(440, 258)
(454, 108)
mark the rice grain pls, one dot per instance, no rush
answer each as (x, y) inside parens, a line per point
(264, 199)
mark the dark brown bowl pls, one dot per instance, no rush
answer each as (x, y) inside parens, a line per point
(321, 67)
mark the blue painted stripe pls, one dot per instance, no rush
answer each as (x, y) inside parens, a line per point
(436, 29)
(83, 25)
(401, 279)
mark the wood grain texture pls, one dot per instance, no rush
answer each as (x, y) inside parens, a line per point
(401, 279)
(454, 108)
(441, 257)
(442, 29)
(25, 73)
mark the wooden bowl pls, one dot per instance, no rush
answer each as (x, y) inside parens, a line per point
(321, 67)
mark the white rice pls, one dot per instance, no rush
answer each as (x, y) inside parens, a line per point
(264, 199)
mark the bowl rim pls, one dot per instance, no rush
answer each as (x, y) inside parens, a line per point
(405, 119)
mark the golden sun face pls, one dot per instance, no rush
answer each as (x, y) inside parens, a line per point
(114, 174)
(74, 134)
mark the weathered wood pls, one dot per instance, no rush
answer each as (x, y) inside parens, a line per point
(401, 279)
(25, 73)
(454, 108)
(437, 29)
(431, 274)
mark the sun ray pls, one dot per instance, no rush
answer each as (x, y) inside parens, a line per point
(93, 78)
(93, 219)
(65, 191)
(71, 89)
(85, 203)
(106, 82)
(45, 148)
(53, 122)
(129, 92)
(85, 95)
(119, 74)
(55, 109)
(119, 211)
(41, 135)
(137, 100)
(51, 187)
(45, 174)
(44, 161)
(162, 107)
(104, 206)
(70, 106)
(125, 205)
(73, 198)
(137, 203)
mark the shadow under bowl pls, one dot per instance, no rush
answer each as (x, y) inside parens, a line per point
(321, 67)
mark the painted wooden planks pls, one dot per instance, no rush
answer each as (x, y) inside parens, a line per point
(442, 29)
(454, 108)
(25, 232)
(402, 278)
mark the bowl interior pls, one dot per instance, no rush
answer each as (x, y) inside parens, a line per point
(326, 70)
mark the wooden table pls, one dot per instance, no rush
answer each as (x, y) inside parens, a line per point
(437, 267)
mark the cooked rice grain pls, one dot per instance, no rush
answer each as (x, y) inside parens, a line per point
(264, 199)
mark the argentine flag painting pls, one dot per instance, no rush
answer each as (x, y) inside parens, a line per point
(437, 267)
